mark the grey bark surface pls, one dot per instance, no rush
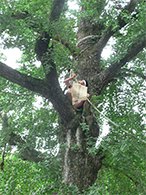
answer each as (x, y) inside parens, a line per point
(80, 167)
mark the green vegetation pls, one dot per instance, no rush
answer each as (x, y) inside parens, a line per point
(40, 133)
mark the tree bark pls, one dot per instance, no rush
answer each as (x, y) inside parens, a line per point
(80, 166)
(78, 130)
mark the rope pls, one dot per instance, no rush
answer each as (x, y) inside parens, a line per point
(84, 38)
(98, 110)
(102, 114)
(110, 119)
(113, 122)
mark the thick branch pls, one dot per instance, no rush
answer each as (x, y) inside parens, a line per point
(33, 84)
(111, 71)
(58, 99)
(41, 46)
(109, 32)
(56, 10)
(50, 89)
(16, 140)
(25, 152)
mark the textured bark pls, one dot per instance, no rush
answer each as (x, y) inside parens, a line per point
(56, 9)
(50, 90)
(80, 167)
(91, 43)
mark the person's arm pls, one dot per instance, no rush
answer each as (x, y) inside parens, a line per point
(66, 81)
(88, 95)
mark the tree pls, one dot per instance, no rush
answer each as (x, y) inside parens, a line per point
(60, 42)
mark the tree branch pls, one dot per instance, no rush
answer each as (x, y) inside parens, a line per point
(41, 46)
(57, 97)
(56, 10)
(71, 48)
(121, 23)
(111, 71)
(129, 177)
(50, 89)
(134, 72)
(20, 15)
(134, 87)
(16, 140)
(25, 152)
(33, 84)
(3, 159)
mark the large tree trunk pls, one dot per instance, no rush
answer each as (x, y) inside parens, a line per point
(78, 130)
(80, 166)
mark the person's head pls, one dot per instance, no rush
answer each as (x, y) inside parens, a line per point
(83, 82)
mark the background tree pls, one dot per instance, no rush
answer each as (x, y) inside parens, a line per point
(61, 39)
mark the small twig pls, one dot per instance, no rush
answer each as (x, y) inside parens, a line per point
(136, 73)
(134, 87)
(5, 92)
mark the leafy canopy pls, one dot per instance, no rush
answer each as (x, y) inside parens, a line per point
(123, 101)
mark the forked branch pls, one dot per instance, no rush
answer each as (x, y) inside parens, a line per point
(23, 80)
(50, 90)
(133, 50)
(121, 23)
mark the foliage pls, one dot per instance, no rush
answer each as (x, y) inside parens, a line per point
(33, 117)
(23, 177)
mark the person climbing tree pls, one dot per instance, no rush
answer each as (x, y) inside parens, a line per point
(77, 93)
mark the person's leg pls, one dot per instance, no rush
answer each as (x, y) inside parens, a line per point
(85, 103)
(78, 105)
